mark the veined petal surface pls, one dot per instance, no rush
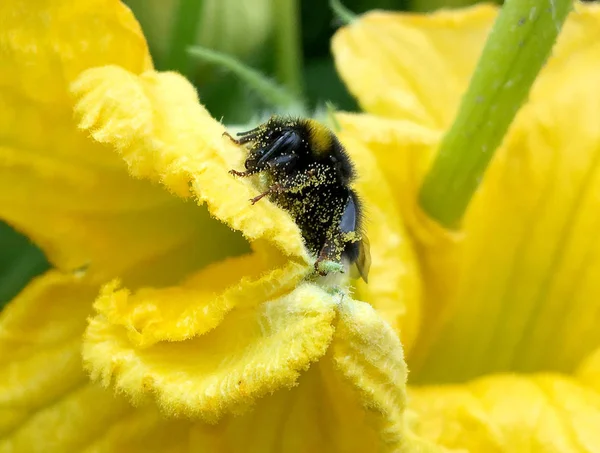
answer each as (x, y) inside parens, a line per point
(514, 289)
(547, 413)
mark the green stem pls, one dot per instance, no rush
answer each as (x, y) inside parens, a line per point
(288, 51)
(269, 91)
(341, 12)
(518, 46)
(183, 35)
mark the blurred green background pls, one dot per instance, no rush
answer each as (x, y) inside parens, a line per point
(286, 41)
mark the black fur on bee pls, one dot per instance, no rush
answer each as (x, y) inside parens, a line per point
(309, 175)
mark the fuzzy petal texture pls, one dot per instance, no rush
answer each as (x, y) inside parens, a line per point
(158, 126)
(352, 400)
(252, 353)
(176, 341)
(533, 305)
(165, 135)
(546, 413)
(199, 303)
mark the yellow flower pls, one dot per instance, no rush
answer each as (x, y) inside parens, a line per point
(189, 306)
(507, 357)
(192, 309)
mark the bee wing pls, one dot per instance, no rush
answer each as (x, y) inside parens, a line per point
(363, 262)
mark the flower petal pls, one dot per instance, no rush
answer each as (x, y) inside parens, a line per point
(369, 357)
(366, 370)
(156, 123)
(40, 330)
(142, 430)
(540, 413)
(253, 352)
(40, 363)
(403, 151)
(71, 196)
(533, 305)
(40, 57)
(46, 401)
(412, 67)
(351, 401)
(394, 286)
(519, 276)
(200, 303)
(92, 420)
(589, 370)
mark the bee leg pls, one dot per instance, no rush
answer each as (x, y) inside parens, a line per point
(250, 132)
(274, 188)
(242, 174)
(241, 141)
(230, 137)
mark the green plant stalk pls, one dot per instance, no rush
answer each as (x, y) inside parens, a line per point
(183, 35)
(288, 52)
(269, 91)
(519, 44)
(341, 12)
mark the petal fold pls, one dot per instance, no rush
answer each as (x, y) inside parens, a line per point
(253, 352)
(156, 123)
(352, 400)
(365, 376)
(200, 303)
(368, 355)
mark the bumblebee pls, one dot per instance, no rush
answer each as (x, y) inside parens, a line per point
(309, 174)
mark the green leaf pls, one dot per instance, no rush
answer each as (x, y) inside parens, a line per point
(20, 261)
(267, 89)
